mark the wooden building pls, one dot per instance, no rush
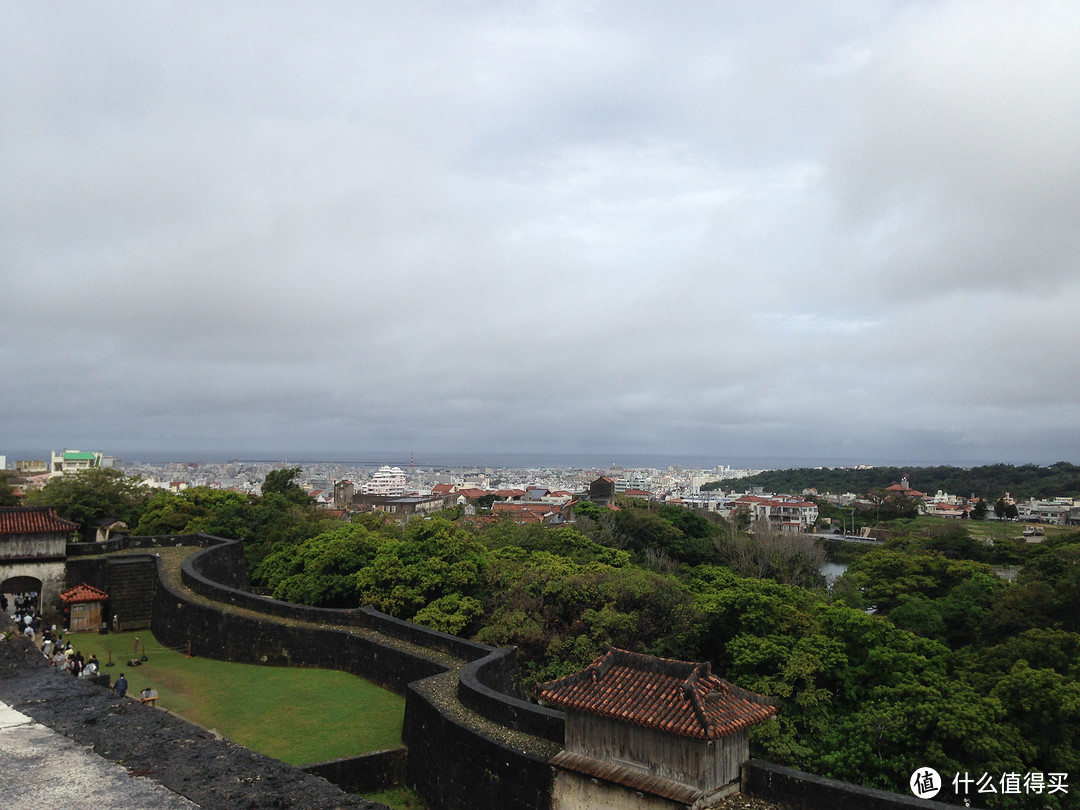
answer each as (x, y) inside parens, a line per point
(84, 604)
(648, 732)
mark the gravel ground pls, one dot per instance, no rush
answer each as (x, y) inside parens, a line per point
(741, 802)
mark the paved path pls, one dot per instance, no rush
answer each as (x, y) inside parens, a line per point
(45, 769)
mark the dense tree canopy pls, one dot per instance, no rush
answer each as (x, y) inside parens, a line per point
(95, 493)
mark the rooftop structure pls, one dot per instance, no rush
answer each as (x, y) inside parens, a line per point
(668, 728)
(72, 461)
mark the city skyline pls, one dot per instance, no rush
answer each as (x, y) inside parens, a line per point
(823, 233)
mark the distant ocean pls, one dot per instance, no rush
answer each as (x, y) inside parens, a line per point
(599, 460)
(594, 460)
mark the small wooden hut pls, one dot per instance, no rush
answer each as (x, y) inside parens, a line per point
(85, 606)
(668, 729)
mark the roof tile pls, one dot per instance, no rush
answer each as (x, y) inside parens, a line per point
(83, 593)
(680, 697)
(33, 520)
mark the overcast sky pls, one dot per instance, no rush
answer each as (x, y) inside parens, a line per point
(813, 230)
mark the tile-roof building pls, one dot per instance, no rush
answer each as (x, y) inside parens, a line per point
(84, 606)
(33, 532)
(33, 548)
(670, 729)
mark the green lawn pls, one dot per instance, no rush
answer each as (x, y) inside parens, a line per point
(297, 715)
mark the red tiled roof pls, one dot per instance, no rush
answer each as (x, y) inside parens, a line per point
(472, 494)
(442, 489)
(33, 520)
(83, 593)
(678, 697)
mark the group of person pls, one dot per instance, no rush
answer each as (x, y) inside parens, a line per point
(63, 656)
(26, 615)
(59, 652)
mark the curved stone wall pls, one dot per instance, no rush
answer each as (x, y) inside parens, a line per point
(490, 687)
(452, 763)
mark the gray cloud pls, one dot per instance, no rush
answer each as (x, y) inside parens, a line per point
(719, 230)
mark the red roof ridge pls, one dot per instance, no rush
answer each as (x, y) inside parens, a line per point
(83, 593)
(33, 520)
(680, 697)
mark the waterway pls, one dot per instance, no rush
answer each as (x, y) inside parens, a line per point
(832, 571)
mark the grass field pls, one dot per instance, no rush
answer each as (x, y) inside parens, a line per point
(297, 715)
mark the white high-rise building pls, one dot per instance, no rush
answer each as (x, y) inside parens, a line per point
(387, 481)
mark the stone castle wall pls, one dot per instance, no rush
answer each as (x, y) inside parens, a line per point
(451, 763)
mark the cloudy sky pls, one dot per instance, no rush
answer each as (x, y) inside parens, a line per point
(820, 231)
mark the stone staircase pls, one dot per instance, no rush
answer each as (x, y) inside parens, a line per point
(131, 592)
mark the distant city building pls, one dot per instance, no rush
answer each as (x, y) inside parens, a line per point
(783, 512)
(343, 492)
(602, 491)
(387, 482)
(73, 461)
(412, 505)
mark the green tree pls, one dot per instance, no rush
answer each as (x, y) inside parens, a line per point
(893, 506)
(283, 482)
(1041, 648)
(953, 541)
(588, 509)
(978, 512)
(321, 570)
(435, 559)
(186, 512)
(7, 492)
(888, 574)
(94, 493)
(1044, 706)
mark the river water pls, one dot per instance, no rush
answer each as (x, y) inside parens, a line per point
(833, 571)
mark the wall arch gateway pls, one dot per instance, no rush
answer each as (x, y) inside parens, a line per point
(19, 585)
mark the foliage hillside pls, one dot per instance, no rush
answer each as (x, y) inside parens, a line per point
(921, 655)
(988, 482)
